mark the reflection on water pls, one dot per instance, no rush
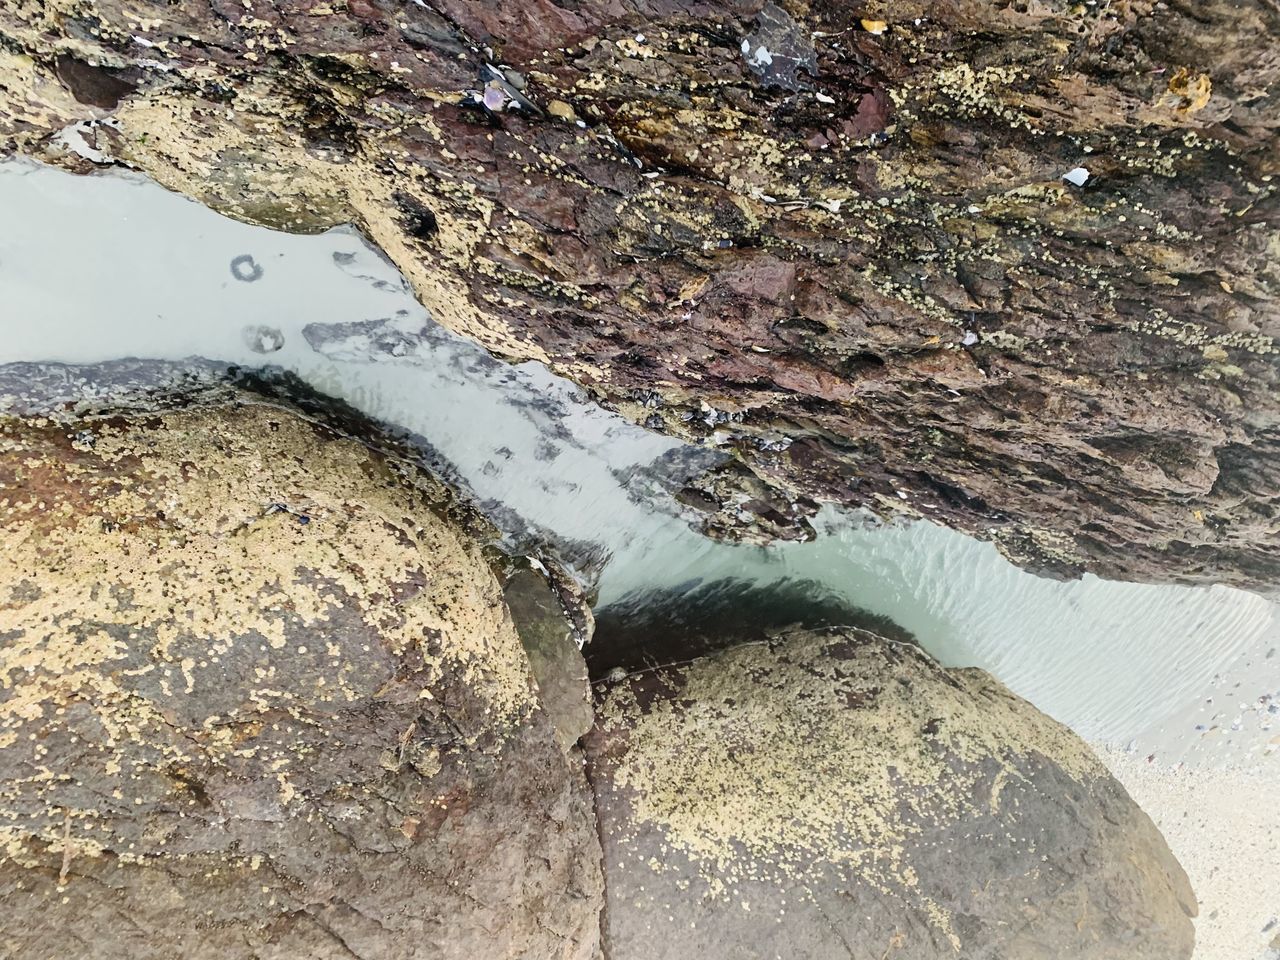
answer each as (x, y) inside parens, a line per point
(1117, 661)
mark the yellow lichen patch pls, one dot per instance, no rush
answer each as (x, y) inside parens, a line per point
(1189, 92)
(205, 529)
(1028, 544)
(817, 752)
(632, 48)
(561, 111)
(32, 98)
(1214, 352)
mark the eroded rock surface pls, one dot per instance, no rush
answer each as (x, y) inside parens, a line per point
(258, 700)
(834, 238)
(832, 794)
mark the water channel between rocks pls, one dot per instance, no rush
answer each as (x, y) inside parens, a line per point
(96, 270)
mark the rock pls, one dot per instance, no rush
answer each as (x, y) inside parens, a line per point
(859, 242)
(259, 700)
(836, 794)
(557, 664)
(561, 110)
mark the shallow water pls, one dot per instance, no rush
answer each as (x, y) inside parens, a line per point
(107, 267)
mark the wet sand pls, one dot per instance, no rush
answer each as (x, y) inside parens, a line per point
(1223, 825)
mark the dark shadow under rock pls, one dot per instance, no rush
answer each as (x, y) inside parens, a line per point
(697, 618)
(831, 794)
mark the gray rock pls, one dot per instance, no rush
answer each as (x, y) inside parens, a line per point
(557, 664)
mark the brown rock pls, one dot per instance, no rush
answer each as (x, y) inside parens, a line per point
(898, 278)
(258, 700)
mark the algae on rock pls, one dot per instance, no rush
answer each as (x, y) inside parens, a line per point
(833, 792)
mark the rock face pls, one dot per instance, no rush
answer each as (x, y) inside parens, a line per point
(554, 658)
(258, 700)
(261, 696)
(835, 794)
(1009, 266)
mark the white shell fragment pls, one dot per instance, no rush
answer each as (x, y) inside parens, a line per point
(72, 137)
(1175, 689)
(1076, 176)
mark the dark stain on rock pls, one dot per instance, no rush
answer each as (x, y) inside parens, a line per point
(420, 221)
(93, 85)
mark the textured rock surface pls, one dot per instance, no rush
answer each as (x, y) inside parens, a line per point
(554, 657)
(258, 700)
(835, 794)
(834, 238)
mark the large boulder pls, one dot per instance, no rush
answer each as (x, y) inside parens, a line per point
(831, 794)
(1011, 266)
(259, 699)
